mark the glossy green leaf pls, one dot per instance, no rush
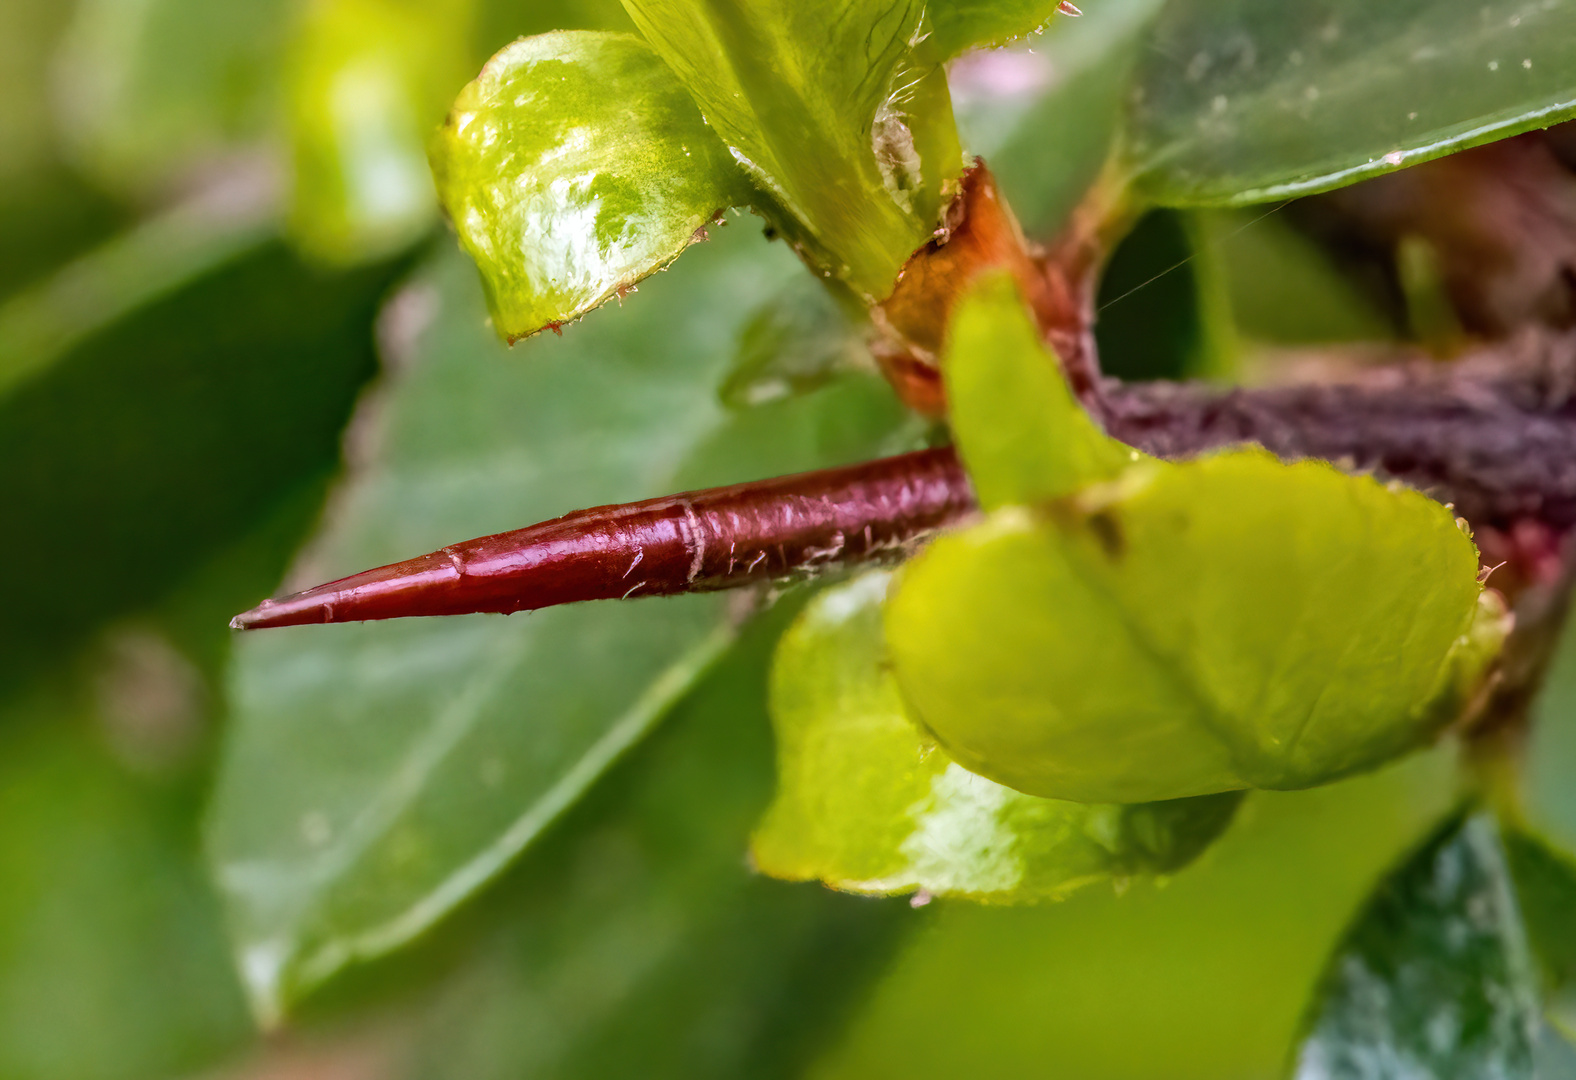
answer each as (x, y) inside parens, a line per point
(149, 91)
(1225, 623)
(1546, 888)
(866, 802)
(838, 112)
(1021, 433)
(1433, 978)
(1243, 101)
(1206, 978)
(572, 167)
(379, 774)
(368, 80)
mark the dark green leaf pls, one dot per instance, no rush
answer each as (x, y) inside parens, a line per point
(1550, 794)
(839, 113)
(1243, 101)
(634, 941)
(1546, 888)
(1433, 979)
(1227, 622)
(381, 773)
(112, 953)
(171, 433)
(142, 265)
(573, 167)
(868, 803)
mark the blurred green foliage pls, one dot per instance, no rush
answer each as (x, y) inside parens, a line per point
(216, 223)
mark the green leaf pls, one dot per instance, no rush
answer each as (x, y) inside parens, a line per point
(379, 774)
(368, 80)
(867, 803)
(1225, 623)
(1550, 758)
(1205, 979)
(572, 167)
(1433, 978)
(838, 112)
(112, 957)
(1020, 431)
(147, 262)
(960, 25)
(1243, 101)
(171, 430)
(1546, 887)
(149, 91)
(635, 941)
(794, 343)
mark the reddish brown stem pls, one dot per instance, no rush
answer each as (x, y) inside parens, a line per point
(715, 539)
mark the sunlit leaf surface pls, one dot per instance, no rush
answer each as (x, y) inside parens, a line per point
(838, 112)
(1243, 101)
(1433, 979)
(1223, 623)
(572, 167)
(1021, 433)
(380, 773)
(866, 802)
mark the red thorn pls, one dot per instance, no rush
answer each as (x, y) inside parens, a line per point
(714, 539)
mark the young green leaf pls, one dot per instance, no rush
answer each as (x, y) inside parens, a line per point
(867, 803)
(1433, 978)
(1255, 100)
(960, 25)
(1021, 433)
(839, 112)
(573, 166)
(1228, 622)
(367, 80)
(377, 775)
